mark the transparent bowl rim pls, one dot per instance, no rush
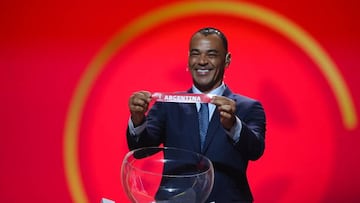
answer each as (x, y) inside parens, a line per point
(130, 153)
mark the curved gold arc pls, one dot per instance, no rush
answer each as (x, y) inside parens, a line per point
(167, 13)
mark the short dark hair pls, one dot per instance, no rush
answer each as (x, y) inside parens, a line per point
(210, 30)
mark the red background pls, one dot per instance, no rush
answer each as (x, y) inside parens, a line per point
(46, 48)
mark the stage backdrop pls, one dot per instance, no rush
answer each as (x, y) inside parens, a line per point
(69, 67)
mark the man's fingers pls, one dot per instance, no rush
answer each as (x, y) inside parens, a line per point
(139, 108)
(226, 115)
(221, 100)
(139, 101)
(227, 108)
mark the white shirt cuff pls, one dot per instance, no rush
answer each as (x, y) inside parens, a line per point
(234, 132)
(136, 130)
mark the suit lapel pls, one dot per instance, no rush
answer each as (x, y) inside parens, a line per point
(214, 126)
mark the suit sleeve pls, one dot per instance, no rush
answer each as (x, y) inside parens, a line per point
(153, 134)
(252, 135)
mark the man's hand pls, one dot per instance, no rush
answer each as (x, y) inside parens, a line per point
(227, 109)
(138, 105)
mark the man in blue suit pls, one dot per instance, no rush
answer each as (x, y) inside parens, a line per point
(236, 127)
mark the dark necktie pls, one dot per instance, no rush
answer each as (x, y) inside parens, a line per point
(203, 122)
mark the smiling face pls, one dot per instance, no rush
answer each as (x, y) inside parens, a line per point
(207, 61)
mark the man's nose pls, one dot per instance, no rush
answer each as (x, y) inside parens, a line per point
(203, 59)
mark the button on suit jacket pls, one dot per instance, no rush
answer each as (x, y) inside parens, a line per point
(177, 125)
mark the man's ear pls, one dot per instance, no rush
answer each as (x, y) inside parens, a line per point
(227, 59)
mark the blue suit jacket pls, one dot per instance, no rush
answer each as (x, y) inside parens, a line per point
(177, 125)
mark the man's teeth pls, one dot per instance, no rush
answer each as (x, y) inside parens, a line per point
(202, 70)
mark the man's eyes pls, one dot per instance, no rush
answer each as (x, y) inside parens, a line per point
(210, 55)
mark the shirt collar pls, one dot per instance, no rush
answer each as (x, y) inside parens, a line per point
(217, 91)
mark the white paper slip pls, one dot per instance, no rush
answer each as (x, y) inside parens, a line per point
(181, 97)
